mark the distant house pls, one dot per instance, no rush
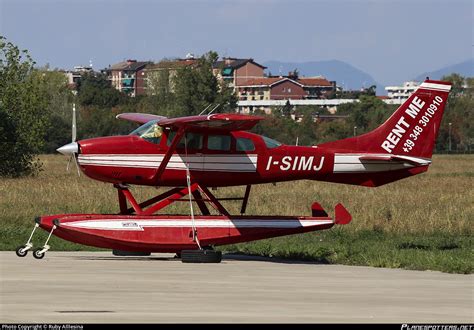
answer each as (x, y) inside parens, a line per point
(161, 74)
(236, 71)
(73, 76)
(273, 88)
(128, 77)
(282, 88)
(400, 94)
(317, 87)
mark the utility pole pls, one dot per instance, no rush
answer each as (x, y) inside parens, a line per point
(449, 138)
(355, 128)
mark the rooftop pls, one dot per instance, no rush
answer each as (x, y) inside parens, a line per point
(235, 63)
(304, 82)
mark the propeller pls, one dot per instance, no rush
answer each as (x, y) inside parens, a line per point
(71, 149)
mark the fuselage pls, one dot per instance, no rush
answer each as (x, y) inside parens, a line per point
(222, 158)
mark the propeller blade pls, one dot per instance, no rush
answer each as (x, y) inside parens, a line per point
(69, 163)
(72, 148)
(74, 132)
(77, 165)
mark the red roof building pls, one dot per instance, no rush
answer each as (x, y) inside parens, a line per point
(284, 88)
(236, 71)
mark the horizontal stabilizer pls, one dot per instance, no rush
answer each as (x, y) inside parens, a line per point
(415, 161)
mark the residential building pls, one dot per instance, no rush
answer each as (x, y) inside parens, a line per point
(236, 71)
(162, 74)
(317, 87)
(400, 94)
(128, 77)
(281, 88)
(73, 76)
(270, 88)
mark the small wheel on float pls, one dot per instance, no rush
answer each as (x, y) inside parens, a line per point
(37, 253)
(21, 252)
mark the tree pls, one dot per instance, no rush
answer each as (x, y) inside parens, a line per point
(196, 87)
(459, 112)
(307, 131)
(283, 129)
(333, 130)
(53, 84)
(367, 114)
(23, 119)
(95, 90)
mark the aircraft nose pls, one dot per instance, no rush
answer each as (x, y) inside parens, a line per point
(69, 149)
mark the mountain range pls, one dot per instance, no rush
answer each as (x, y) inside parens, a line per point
(465, 69)
(350, 77)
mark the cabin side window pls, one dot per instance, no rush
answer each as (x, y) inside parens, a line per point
(193, 140)
(270, 143)
(244, 144)
(219, 142)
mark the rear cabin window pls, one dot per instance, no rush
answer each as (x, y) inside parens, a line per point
(245, 145)
(270, 143)
(193, 140)
(218, 142)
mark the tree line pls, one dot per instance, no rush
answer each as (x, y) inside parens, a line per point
(36, 103)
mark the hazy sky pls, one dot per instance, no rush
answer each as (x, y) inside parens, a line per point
(391, 40)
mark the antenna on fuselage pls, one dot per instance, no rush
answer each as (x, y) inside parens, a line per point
(205, 109)
(217, 106)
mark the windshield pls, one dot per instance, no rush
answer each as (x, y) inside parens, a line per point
(270, 143)
(150, 131)
(144, 128)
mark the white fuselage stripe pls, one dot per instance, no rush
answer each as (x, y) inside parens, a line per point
(120, 224)
(236, 163)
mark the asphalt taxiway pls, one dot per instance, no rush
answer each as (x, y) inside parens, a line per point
(96, 287)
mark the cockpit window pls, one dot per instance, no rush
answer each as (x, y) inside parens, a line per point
(270, 143)
(150, 132)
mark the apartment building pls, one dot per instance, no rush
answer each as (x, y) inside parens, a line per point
(400, 94)
(236, 71)
(128, 77)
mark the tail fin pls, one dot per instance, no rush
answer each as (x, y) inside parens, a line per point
(410, 131)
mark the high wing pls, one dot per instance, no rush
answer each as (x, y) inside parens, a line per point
(140, 118)
(222, 121)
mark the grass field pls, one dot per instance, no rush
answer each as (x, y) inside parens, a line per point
(423, 222)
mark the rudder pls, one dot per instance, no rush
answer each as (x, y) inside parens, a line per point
(410, 131)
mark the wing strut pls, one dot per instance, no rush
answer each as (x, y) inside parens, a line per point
(246, 199)
(169, 153)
